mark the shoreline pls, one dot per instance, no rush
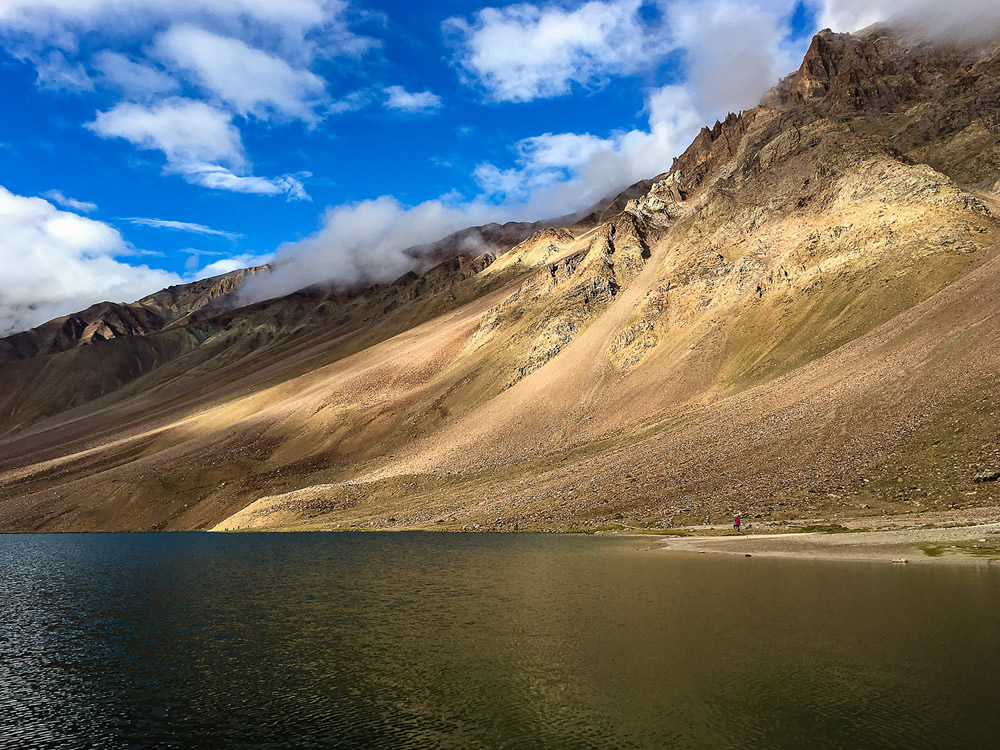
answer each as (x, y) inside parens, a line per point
(973, 544)
(969, 536)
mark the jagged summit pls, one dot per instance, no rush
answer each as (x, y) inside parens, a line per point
(791, 320)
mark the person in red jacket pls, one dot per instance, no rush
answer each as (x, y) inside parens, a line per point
(738, 524)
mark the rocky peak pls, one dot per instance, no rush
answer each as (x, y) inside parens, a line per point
(877, 70)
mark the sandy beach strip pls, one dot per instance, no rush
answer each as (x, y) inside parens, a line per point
(979, 544)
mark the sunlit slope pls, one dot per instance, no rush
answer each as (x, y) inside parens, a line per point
(691, 365)
(900, 420)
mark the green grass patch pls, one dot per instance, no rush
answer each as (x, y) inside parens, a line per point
(821, 528)
(661, 532)
(967, 549)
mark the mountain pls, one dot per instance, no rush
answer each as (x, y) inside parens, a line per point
(108, 320)
(796, 320)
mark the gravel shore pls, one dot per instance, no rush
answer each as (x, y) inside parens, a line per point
(978, 544)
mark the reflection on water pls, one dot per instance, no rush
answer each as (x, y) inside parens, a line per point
(464, 641)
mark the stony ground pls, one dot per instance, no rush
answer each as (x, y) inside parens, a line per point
(953, 537)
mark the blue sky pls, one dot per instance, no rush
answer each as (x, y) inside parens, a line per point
(146, 143)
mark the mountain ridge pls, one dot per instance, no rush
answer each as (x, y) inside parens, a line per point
(103, 321)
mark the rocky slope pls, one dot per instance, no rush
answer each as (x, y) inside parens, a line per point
(794, 319)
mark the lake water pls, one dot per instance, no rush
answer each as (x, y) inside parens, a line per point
(484, 641)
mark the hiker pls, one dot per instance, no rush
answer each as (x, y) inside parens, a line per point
(737, 523)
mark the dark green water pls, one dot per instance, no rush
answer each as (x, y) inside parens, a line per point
(468, 641)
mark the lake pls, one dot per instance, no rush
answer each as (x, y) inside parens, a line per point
(402, 640)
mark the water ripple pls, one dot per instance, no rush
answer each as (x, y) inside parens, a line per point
(481, 641)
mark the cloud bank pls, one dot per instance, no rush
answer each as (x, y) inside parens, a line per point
(53, 262)
(247, 81)
(364, 242)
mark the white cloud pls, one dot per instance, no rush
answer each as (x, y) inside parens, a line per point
(364, 242)
(182, 226)
(56, 72)
(57, 196)
(411, 101)
(351, 102)
(50, 34)
(60, 22)
(224, 264)
(566, 150)
(974, 20)
(135, 80)
(54, 262)
(199, 142)
(230, 264)
(248, 80)
(188, 132)
(220, 178)
(299, 31)
(561, 173)
(734, 50)
(524, 52)
(494, 181)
